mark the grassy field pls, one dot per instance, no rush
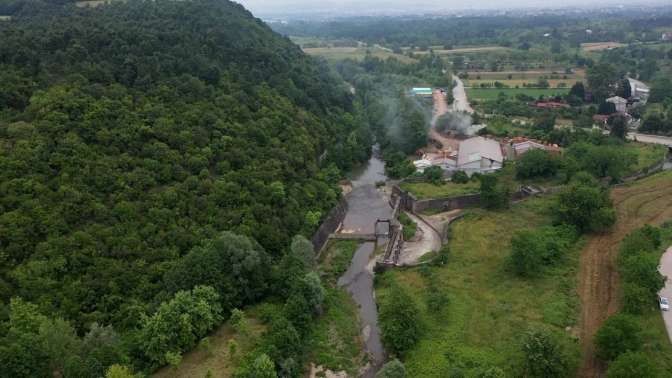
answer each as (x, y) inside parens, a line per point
(489, 308)
(647, 155)
(423, 190)
(334, 54)
(5, 18)
(492, 94)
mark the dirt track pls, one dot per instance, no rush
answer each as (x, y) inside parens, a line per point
(648, 201)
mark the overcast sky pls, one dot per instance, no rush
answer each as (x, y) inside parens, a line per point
(265, 7)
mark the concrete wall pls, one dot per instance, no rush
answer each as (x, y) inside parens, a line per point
(408, 202)
(329, 225)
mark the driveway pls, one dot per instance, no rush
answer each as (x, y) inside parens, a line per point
(428, 241)
(666, 270)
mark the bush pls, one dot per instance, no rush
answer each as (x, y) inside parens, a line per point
(460, 177)
(543, 356)
(494, 195)
(434, 175)
(392, 369)
(537, 163)
(619, 334)
(633, 365)
(585, 206)
(531, 250)
(399, 321)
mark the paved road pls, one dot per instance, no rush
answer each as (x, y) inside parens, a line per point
(666, 270)
(653, 139)
(428, 242)
(461, 103)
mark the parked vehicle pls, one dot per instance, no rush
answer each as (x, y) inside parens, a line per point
(664, 303)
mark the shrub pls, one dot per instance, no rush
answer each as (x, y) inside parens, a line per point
(585, 206)
(633, 365)
(399, 321)
(392, 369)
(619, 334)
(531, 250)
(543, 356)
(537, 163)
(494, 195)
(434, 175)
(460, 177)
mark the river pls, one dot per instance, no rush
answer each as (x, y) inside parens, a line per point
(366, 204)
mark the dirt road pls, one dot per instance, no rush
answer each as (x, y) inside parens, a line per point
(441, 108)
(645, 202)
(461, 102)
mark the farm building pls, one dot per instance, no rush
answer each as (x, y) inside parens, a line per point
(620, 103)
(640, 92)
(520, 145)
(479, 154)
(422, 92)
(543, 104)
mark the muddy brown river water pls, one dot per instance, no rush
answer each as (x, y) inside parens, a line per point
(366, 204)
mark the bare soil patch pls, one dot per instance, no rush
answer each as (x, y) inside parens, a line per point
(598, 46)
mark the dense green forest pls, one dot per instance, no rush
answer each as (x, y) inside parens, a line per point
(131, 136)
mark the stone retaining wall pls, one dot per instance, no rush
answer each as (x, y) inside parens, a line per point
(329, 225)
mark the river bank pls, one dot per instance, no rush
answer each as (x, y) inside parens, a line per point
(366, 204)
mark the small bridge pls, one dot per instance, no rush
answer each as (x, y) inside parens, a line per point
(354, 236)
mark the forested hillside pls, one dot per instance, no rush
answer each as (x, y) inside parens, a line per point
(134, 133)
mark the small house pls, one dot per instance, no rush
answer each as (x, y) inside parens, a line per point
(619, 102)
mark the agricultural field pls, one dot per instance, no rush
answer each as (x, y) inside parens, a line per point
(489, 308)
(334, 54)
(424, 190)
(513, 79)
(460, 50)
(487, 94)
(599, 46)
(5, 18)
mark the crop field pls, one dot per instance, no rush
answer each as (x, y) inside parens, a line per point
(599, 46)
(486, 94)
(463, 50)
(513, 79)
(334, 54)
(5, 18)
(489, 308)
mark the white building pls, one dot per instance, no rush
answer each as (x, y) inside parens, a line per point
(479, 154)
(620, 103)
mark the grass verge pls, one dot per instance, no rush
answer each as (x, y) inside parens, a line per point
(424, 190)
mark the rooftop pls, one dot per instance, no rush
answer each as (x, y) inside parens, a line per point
(477, 148)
